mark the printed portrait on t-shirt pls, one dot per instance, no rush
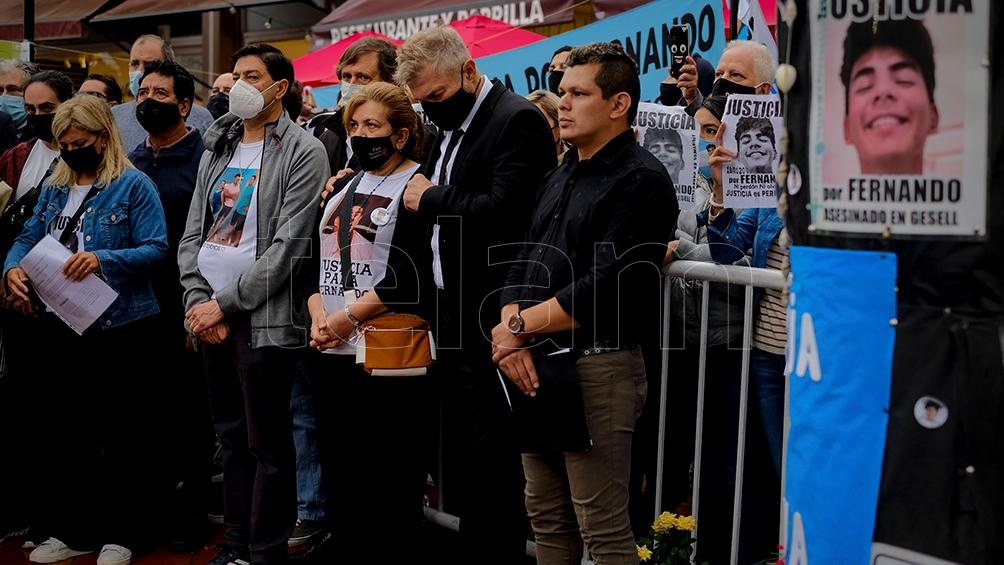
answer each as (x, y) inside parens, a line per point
(363, 229)
(229, 202)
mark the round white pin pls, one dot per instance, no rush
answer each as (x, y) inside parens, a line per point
(380, 216)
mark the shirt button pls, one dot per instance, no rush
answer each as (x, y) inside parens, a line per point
(113, 217)
(88, 238)
(108, 322)
(89, 209)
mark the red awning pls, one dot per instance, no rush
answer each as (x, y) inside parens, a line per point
(318, 68)
(145, 8)
(485, 36)
(54, 19)
(399, 20)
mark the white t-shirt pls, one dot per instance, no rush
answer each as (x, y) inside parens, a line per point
(231, 244)
(76, 198)
(376, 204)
(38, 162)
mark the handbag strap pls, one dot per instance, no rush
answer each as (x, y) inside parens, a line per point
(344, 231)
(71, 226)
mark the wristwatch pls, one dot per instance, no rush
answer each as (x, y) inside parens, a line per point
(515, 324)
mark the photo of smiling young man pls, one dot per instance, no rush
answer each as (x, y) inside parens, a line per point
(888, 78)
(757, 148)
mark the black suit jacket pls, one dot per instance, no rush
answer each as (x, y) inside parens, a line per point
(485, 211)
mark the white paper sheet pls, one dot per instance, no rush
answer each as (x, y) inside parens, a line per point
(77, 303)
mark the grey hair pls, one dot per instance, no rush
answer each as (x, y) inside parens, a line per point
(763, 63)
(165, 46)
(26, 67)
(439, 48)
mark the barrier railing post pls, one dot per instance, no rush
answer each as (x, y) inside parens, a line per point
(660, 457)
(737, 502)
(702, 364)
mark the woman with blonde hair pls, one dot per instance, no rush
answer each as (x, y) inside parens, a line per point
(97, 415)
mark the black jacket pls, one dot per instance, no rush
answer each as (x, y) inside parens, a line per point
(493, 186)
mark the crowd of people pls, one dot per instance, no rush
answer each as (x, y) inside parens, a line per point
(531, 232)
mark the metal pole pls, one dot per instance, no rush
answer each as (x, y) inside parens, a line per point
(660, 457)
(737, 502)
(734, 17)
(699, 428)
(29, 27)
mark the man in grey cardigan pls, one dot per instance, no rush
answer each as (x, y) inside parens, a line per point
(250, 320)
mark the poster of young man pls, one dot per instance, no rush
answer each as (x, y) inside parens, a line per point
(670, 134)
(753, 127)
(899, 117)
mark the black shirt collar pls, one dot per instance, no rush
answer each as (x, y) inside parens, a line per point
(610, 152)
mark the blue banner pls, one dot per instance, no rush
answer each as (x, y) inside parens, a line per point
(840, 344)
(643, 31)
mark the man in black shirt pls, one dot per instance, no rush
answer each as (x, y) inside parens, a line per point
(596, 238)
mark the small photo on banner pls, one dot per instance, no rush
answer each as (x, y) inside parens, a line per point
(753, 127)
(670, 134)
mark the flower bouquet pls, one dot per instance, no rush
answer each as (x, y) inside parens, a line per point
(668, 541)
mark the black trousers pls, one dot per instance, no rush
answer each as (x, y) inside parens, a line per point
(373, 433)
(249, 393)
(97, 415)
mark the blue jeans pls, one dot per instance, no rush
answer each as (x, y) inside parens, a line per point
(767, 373)
(310, 487)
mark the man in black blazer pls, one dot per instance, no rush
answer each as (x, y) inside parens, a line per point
(477, 191)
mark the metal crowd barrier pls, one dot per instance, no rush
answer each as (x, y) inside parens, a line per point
(748, 277)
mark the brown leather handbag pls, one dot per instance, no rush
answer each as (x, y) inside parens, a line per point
(396, 345)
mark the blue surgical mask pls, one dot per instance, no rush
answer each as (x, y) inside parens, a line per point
(704, 149)
(134, 77)
(14, 107)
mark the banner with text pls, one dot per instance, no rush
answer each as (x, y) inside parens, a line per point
(643, 31)
(670, 134)
(899, 117)
(839, 371)
(753, 127)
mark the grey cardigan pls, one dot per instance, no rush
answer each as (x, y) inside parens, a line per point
(295, 168)
(725, 304)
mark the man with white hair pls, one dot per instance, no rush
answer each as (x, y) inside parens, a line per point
(745, 67)
(145, 49)
(13, 75)
(477, 191)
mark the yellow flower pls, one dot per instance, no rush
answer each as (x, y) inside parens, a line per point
(665, 522)
(686, 523)
(644, 553)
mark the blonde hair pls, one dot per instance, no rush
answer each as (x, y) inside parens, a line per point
(90, 114)
(400, 114)
(438, 48)
(548, 102)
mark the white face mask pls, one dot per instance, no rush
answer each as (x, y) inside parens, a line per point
(245, 100)
(134, 77)
(349, 90)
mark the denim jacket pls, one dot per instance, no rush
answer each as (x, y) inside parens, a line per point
(753, 227)
(123, 225)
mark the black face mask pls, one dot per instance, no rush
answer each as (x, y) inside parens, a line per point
(553, 80)
(450, 113)
(156, 116)
(670, 94)
(724, 87)
(83, 160)
(218, 105)
(40, 126)
(372, 152)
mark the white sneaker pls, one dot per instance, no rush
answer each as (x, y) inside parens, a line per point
(53, 550)
(113, 554)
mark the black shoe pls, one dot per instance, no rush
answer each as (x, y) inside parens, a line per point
(229, 554)
(306, 532)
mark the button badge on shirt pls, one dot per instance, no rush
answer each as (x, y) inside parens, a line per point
(380, 216)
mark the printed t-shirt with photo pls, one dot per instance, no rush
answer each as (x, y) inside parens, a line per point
(374, 218)
(75, 242)
(231, 244)
(39, 161)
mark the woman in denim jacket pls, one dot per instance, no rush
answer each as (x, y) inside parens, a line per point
(97, 410)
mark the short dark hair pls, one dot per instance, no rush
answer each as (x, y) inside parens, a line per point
(113, 92)
(759, 124)
(184, 84)
(278, 66)
(386, 56)
(908, 35)
(618, 71)
(57, 81)
(561, 49)
(715, 105)
(293, 101)
(655, 135)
